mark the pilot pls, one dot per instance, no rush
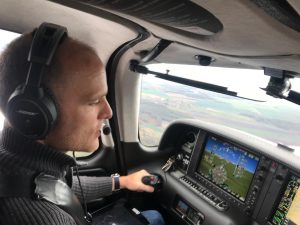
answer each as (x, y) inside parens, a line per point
(76, 81)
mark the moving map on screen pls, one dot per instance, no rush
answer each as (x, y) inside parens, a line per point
(288, 210)
(228, 166)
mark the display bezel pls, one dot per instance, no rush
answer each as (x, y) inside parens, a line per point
(238, 146)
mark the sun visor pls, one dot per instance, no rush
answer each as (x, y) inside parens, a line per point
(181, 15)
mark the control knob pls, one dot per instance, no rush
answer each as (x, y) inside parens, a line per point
(179, 157)
(191, 137)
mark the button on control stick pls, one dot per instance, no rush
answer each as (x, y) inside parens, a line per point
(153, 180)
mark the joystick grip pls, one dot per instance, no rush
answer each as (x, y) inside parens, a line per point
(152, 180)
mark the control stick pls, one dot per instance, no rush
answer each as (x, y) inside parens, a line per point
(153, 180)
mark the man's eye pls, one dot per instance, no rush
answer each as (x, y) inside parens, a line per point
(95, 102)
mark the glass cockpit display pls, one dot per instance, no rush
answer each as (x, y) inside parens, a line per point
(228, 166)
(288, 210)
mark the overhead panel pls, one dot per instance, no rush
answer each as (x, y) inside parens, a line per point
(183, 15)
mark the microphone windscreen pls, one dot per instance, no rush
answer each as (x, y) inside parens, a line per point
(106, 137)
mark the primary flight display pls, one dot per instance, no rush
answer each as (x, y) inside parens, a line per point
(228, 166)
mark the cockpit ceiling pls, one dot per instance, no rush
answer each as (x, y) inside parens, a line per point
(23, 16)
(181, 15)
(245, 33)
(242, 28)
(242, 32)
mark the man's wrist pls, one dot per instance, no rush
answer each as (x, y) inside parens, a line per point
(116, 181)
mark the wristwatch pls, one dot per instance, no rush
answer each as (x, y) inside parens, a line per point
(116, 178)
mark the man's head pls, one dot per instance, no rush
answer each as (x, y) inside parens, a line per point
(76, 78)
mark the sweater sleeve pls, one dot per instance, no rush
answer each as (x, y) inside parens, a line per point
(93, 187)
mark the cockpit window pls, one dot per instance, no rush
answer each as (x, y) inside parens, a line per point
(253, 111)
(5, 38)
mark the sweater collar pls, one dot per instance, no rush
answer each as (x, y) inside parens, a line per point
(22, 152)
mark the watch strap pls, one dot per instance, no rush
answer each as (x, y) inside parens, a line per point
(116, 178)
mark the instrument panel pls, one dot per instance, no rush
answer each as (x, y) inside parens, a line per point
(226, 180)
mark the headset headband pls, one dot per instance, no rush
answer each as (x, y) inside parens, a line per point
(44, 44)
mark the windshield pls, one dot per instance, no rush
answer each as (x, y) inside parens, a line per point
(163, 101)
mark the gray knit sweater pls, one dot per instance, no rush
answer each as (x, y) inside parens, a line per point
(19, 156)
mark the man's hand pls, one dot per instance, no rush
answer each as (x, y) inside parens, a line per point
(133, 182)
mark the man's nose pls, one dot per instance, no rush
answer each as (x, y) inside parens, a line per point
(106, 112)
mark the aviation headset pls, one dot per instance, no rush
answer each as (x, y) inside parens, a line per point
(31, 109)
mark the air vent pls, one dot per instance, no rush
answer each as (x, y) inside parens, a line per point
(282, 11)
(175, 14)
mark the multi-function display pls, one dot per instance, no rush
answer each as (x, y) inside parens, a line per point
(288, 210)
(228, 166)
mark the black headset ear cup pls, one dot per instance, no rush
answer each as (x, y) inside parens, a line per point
(33, 115)
(52, 97)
